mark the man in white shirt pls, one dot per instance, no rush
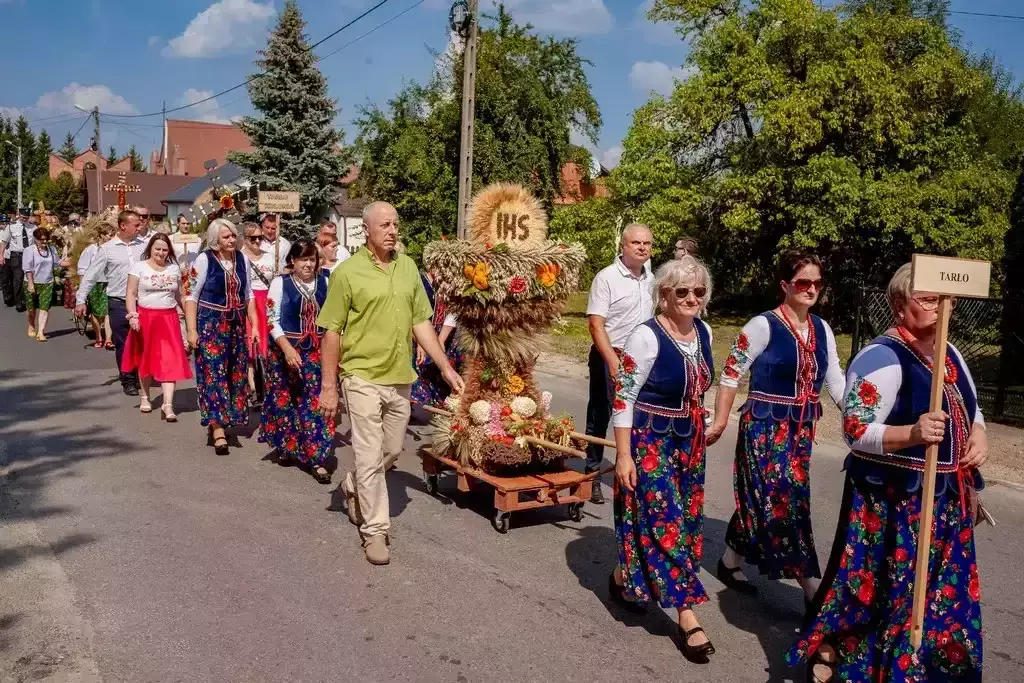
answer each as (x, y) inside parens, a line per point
(15, 239)
(113, 261)
(272, 242)
(146, 223)
(620, 299)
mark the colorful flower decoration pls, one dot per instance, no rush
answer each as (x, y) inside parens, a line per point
(227, 202)
(480, 412)
(478, 274)
(524, 406)
(517, 285)
(547, 275)
(515, 384)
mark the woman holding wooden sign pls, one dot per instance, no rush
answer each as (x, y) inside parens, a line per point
(859, 627)
(791, 356)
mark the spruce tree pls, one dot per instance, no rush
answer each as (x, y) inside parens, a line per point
(137, 163)
(112, 157)
(296, 146)
(69, 150)
(41, 156)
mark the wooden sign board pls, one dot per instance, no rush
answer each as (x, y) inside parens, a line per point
(279, 202)
(950, 276)
(186, 238)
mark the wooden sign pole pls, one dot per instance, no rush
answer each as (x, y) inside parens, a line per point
(924, 534)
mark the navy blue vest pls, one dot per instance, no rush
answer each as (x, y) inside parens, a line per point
(780, 380)
(675, 381)
(298, 318)
(215, 290)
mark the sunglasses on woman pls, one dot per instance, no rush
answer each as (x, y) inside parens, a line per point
(254, 238)
(806, 284)
(683, 292)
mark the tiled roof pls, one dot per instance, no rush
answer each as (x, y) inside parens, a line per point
(153, 189)
(190, 144)
(228, 173)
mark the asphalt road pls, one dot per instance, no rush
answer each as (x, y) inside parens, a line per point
(130, 552)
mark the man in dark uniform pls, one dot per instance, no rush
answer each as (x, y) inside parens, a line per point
(14, 240)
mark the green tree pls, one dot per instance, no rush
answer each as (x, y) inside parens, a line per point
(8, 168)
(137, 163)
(1011, 373)
(112, 157)
(854, 132)
(595, 224)
(296, 145)
(41, 155)
(69, 150)
(532, 91)
(63, 196)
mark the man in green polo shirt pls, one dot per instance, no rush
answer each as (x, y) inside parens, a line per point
(376, 302)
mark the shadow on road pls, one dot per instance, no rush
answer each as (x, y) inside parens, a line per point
(39, 446)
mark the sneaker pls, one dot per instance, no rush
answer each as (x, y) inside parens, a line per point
(376, 549)
(596, 496)
(355, 515)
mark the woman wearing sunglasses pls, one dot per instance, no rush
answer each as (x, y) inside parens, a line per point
(40, 262)
(859, 621)
(290, 422)
(658, 414)
(790, 355)
(261, 273)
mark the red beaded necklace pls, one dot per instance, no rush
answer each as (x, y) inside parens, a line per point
(811, 343)
(951, 372)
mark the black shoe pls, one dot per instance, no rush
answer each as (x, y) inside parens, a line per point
(21, 309)
(728, 576)
(220, 446)
(618, 594)
(596, 496)
(698, 654)
(130, 390)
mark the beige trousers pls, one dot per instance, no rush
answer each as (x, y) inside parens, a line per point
(379, 415)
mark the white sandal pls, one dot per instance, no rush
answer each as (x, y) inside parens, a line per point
(167, 413)
(145, 406)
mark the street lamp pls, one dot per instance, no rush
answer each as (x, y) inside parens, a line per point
(17, 147)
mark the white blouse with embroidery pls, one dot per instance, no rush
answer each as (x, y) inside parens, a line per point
(873, 383)
(274, 298)
(638, 356)
(753, 340)
(197, 278)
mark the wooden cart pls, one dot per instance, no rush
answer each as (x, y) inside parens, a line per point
(511, 494)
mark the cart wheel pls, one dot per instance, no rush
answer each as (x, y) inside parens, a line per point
(576, 512)
(430, 483)
(500, 521)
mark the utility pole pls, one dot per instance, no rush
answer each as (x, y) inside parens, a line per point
(467, 26)
(95, 113)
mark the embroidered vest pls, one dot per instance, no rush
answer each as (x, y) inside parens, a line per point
(298, 315)
(673, 395)
(785, 383)
(912, 402)
(222, 292)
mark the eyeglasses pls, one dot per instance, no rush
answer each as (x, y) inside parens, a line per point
(254, 238)
(805, 284)
(931, 303)
(683, 292)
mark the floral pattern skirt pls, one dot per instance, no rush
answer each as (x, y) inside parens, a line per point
(290, 422)
(96, 300)
(42, 299)
(771, 527)
(864, 605)
(660, 526)
(430, 389)
(222, 362)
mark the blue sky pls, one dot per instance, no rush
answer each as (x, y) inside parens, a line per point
(128, 56)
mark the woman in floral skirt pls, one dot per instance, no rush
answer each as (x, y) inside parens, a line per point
(791, 355)
(291, 422)
(218, 305)
(430, 389)
(658, 414)
(859, 627)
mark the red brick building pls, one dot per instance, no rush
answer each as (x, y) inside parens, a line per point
(87, 160)
(188, 145)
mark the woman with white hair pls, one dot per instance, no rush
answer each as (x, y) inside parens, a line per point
(218, 303)
(858, 629)
(658, 414)
(791, 356)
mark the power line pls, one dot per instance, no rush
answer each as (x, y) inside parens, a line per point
(986, 14)
(251, 78)
(84, 121)
(375, 28)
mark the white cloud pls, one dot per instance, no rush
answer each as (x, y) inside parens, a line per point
(10, 112)
(207, 111)
(154, 41)
(655, 32)
(611, 156)
(571, 17)
(657, 76)
(86, 97)
(224, 26)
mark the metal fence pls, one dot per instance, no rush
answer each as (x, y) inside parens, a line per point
(975, 331)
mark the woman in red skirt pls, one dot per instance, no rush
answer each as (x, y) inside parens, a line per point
(155, 347)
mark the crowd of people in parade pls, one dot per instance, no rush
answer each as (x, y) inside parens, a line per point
(325, 332)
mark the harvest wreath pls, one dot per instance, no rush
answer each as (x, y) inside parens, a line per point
(505, 286)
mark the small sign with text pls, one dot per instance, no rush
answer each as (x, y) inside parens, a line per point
(951, 276)
(279, 202)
